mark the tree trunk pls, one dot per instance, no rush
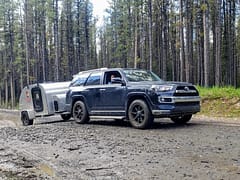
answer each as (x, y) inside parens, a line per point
(206, 46)
(150, 32)
(189, 42)
(182, 44)
(217, 42)
(27, 20)
(56, 42)
(86, 30)
(136, 39)
(6, 92)
(165, 46)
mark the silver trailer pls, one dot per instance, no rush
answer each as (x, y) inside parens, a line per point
(44, 99)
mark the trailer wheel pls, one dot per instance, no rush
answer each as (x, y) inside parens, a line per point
(25, 119)
(80, 113)
(65, 117)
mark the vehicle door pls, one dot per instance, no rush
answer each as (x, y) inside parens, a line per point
(112, 94)
(92, 89)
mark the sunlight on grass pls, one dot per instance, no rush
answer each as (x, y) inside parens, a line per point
(218, 101)
(217, 92)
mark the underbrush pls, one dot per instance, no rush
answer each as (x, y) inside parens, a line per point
(220, 102)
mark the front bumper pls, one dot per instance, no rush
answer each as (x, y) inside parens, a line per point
(178, 99)
(173, 106)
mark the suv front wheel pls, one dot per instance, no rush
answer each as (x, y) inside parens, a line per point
(139, 115)
(80, 113)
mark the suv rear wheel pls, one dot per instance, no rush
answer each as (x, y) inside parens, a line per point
(139, 115)
(80, 113)
(181, 119)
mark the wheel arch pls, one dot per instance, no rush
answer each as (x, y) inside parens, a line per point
(133, 97)
(78, 98)
(30, 113)
(25, 115)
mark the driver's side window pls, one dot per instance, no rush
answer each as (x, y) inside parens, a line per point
(110, 75)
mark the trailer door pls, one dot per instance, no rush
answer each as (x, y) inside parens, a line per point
(37, 99)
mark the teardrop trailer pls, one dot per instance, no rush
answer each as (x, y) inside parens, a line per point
(43, 99)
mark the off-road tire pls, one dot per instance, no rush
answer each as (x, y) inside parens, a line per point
(80, 113)
(139, 114)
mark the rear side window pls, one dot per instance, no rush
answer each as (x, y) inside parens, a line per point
(94, 79)
(79, 80)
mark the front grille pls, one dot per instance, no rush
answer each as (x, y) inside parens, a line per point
(186, 91)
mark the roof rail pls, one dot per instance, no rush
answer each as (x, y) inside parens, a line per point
(90, 70)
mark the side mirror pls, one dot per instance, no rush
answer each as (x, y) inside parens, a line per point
(117, 80)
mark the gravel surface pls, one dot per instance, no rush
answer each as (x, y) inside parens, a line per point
(206, 148)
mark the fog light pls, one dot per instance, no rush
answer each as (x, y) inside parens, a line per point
(164, 99)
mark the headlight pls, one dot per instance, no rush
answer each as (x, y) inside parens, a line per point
(161, 88)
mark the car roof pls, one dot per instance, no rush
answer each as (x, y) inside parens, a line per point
(103, 70)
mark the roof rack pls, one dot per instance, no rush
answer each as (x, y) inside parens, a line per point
(90, 70)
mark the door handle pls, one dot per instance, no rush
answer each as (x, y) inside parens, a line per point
(102, 89)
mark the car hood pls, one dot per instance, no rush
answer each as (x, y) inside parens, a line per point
(150, 83)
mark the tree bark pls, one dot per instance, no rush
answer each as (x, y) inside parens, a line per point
(26, 34)
(206, 46)
(150, 32)
(182, 44)
(136, 40)
(217, 42)
(56, 42)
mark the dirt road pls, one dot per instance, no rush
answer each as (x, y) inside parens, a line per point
(206, 148)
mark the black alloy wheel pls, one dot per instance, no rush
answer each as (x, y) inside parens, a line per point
(139, 115)
(80, 113)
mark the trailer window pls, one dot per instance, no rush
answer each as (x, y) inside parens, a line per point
(37, 99)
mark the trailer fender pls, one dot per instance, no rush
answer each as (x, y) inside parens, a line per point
(27, 117)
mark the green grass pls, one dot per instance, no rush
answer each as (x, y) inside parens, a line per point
(220, 102)
(217, 92)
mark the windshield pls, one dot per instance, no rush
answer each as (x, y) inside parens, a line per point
(136, 75)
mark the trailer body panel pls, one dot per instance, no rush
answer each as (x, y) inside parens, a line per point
(43, 99)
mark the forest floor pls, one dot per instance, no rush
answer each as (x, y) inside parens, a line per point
(205, 148)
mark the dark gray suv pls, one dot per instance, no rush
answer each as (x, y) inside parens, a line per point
(132, 94)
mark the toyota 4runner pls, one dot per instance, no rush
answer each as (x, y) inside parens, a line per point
(132, 94)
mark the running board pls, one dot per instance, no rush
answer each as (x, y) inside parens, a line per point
(107, 117)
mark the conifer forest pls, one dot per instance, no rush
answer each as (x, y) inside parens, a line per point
(196, 41)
